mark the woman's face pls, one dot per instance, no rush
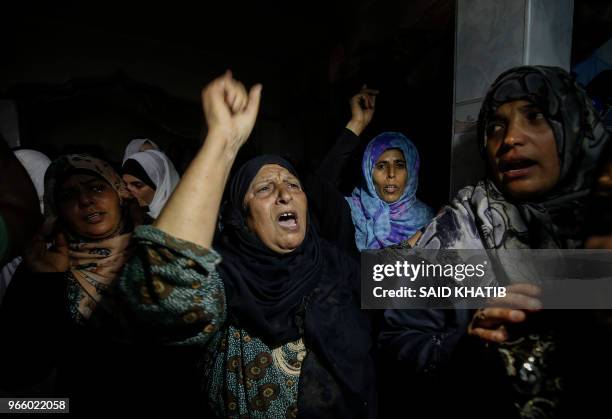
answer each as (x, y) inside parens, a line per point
(140, 190)
(522, 151)
(147, 146)
(390, 175)
(89, 206)
(276, 208)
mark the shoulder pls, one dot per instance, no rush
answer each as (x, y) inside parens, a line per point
(455, 225)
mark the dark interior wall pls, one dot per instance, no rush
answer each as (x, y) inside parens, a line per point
(101, 75)
(175, 51)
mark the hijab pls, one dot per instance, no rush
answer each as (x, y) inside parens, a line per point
(310, 293)
(134, 146)
(380, 224)
(265, 288)
(482, 213)
(36, 164)
(160, 171)
(94, 264)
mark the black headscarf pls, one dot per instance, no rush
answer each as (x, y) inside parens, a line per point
(579, 132)
(310, 293)
(265, 288)
(557, 218)
(134, 168)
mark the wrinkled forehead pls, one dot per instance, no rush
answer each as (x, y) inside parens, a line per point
(268, 172)
(272, 172)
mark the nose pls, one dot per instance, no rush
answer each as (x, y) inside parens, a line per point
(85, 198)
(391, 171)
(514, 135)
(284, 196)
(131, 190)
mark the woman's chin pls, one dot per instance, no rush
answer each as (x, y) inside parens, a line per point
(97, 233)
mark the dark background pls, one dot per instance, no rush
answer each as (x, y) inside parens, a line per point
(99, 74)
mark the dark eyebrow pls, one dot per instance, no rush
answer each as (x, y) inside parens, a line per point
(95, 179)
(530, 108)
(387, 161)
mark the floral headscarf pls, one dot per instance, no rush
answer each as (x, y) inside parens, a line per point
(556, 219)
(95, 264)
(377, 223)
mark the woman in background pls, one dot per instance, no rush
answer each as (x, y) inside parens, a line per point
(383, 210)
(137, 145)
(151, 178)
(36, 164)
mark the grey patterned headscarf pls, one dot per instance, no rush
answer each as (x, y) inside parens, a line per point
(481, 216)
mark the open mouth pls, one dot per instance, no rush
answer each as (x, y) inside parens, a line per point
(94, 217)
(514, 165)
(288, 220)
(391, 188)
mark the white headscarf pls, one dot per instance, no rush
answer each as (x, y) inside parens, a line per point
(134, 147)
(161, 171)
(36, 164)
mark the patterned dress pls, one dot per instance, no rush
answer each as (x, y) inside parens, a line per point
(183, 302)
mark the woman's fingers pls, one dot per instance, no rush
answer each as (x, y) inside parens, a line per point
(495, 316)
(242, 97)
(531, 290)
(492, 335)
(489, 323)
(370, 92)
(252, 105)
(228, 109)
(236, 96)
(516, 301)
(61, 244)
(519, 296)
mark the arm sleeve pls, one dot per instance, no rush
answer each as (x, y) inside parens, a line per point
(172, 291)
(426, 340)
(423, 339)
(335, 160)
(331, 212)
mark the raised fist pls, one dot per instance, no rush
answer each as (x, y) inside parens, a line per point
(229, 110)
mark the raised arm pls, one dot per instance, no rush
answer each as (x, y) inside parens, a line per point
(363, 105)
(172, 291)
(230, 114)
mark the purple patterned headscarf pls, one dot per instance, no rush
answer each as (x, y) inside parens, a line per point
(377, 223)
